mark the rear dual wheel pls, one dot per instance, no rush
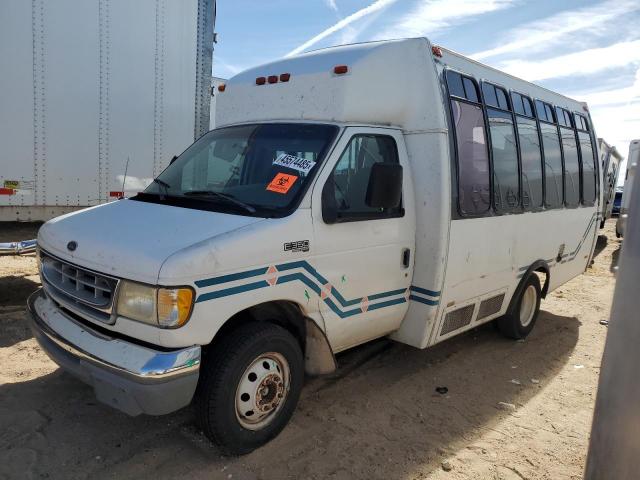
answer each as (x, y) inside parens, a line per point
(249, 387)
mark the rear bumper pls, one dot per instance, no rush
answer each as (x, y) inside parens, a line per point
(130, 377)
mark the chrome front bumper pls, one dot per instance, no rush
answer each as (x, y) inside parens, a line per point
(130, 377)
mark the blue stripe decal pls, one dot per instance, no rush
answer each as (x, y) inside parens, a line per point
(424, 291)
(424, 300)
(232, 291)
(230, 278)
(306, 266)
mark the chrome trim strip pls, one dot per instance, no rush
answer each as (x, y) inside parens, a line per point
(124, 358)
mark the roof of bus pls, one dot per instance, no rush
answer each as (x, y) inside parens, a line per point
(389, 82)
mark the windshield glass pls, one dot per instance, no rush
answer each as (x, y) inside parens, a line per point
(259, 169)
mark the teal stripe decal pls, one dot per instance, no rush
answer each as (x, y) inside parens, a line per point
(230, 278)
(232, 291)
(311, 278)
(424, 300)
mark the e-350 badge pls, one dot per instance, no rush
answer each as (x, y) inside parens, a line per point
(298, 246)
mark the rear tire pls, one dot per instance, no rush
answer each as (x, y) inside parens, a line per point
(249, 387)
(523, 311)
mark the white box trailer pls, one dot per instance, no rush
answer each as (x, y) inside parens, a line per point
(355, 192)
(89, 86)
(610, 160)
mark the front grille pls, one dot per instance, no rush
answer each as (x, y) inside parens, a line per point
(78, 288)
(457, 319)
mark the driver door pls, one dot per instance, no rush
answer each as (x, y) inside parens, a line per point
(365, 258)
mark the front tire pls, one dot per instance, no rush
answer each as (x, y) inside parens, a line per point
(523, 311)
(249, 387)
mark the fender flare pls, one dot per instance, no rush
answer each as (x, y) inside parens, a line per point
(538, 265)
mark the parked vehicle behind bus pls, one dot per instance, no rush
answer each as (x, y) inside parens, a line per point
(632, 165)
(610, 160)
(322, 213)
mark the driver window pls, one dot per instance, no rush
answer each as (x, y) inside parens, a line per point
(350, 177)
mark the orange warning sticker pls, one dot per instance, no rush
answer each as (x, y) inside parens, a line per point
(281, 183)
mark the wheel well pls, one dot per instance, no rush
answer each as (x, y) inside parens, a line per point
(286, 314)
(541, 269)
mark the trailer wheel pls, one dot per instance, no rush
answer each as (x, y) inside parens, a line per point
(523, 310)
(249, 387)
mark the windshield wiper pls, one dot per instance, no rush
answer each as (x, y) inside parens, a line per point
(164, 185)
(229, 198)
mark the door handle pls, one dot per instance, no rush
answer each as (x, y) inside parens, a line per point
(406, 257)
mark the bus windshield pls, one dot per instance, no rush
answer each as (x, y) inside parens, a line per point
(259, 170)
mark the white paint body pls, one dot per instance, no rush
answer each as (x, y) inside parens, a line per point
(88, 85)
(610, 160)
(632, 165)
(352, 281)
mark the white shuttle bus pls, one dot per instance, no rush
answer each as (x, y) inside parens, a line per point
(382, 189)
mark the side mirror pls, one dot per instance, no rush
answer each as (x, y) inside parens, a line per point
(385, 185)
(173, 159)
(329, 205)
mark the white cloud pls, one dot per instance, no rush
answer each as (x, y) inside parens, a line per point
(537, 35)
(584, 62)
(374, 7)
(613, 96)
(331, 4)
(430, 16)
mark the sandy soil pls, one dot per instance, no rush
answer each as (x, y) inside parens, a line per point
(378, 417)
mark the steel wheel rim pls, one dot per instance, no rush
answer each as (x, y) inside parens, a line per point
(262, 390)
(528, 306)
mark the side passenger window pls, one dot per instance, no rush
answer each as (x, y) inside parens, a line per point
(351, 174)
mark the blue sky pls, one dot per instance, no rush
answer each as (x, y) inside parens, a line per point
(589, 50)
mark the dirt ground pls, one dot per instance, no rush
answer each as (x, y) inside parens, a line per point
(378, 417)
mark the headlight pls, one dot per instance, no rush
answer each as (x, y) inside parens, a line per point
(164, 307)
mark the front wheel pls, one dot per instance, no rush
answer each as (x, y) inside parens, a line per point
(249, 387)
(523, 311)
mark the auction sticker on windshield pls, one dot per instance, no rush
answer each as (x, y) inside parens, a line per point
(281, 183)
(297, 163)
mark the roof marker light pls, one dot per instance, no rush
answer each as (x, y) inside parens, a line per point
(222, 87)
(261, 81)
(284, 77)
(272, 79)
(340, 69)
(436, 51)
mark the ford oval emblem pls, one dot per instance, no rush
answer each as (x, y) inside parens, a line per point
(71, 246)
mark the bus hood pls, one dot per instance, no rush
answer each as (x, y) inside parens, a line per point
(132, 239)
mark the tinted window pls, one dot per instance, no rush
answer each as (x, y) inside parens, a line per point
(489, 93)
(552, 165)
(518, 106)
(470, 89)
(502, 99)
(351, 174)
(506, 193)
(531, 163)
(473, 161)
(561, 118)
(571, 168)
(588, 169)
(547, 108)
(454, 82)
(540, 110)
(528, 106)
